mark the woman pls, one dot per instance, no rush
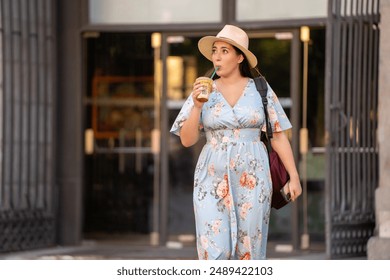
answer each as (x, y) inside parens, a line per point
(232, 186)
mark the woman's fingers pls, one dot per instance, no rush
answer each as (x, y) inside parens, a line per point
(197, 89)
(295, 191)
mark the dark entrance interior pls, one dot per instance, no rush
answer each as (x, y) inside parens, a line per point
(120, 115)
(119, 118)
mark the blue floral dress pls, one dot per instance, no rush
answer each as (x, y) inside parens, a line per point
(232, 183)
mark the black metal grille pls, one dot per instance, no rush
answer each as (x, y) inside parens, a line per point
(26, 230)
(352, 99)
(27, 76)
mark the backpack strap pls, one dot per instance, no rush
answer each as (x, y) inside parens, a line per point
(262, 88)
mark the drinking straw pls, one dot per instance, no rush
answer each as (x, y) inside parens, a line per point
(215, 70)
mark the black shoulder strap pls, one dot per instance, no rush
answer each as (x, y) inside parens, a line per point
(262, 88)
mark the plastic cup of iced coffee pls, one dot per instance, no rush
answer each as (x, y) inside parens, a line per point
(207, 84)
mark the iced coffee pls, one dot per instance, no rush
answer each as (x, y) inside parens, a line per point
(207, 84)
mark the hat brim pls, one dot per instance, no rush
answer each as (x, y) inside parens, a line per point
(206, 43)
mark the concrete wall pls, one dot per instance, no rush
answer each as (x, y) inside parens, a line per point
(379, 245)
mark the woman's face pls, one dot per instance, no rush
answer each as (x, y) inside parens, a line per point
(225, 57)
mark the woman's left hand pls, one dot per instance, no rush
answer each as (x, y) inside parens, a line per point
(295, 188)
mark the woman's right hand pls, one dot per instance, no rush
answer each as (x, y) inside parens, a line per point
(196, 90)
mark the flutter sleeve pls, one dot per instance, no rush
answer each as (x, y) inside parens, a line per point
(183, 116)
(277, 117)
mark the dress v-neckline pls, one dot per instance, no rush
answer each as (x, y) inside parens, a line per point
(238, 100)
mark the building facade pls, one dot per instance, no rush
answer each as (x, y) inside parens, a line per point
(379, 244)
(90, 89)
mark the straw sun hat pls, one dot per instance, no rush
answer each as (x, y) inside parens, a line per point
(230, 34)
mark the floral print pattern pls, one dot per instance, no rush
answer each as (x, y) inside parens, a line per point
(232, 183)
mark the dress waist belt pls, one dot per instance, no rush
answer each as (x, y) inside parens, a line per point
(225, 136)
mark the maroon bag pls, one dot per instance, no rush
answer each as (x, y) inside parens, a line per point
(280, 178)
(279, 175)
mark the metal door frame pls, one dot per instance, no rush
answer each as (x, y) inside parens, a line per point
(28, 213)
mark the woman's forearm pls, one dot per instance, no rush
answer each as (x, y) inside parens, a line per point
(282, 146)
(189, 133)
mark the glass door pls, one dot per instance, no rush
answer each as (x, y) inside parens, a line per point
(183, 64)
(119, 122)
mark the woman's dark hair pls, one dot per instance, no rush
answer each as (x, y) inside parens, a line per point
(245, 69)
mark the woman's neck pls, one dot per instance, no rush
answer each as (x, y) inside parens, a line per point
(232, 79)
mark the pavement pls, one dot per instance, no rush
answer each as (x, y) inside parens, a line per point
(137, 247)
